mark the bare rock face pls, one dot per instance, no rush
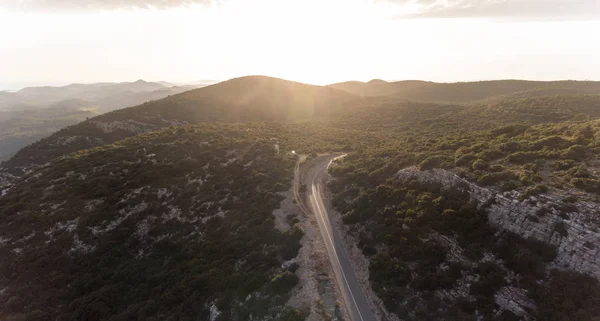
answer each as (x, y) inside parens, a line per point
(571, 228)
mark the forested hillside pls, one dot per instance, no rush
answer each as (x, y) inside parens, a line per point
(104, 96)
(21, 128)
(242, 99)
(433, 253)
(465, 91)
(33, 113)
(170, 225)
(484, 210)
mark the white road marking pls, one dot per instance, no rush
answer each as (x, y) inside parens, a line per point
(315, 190)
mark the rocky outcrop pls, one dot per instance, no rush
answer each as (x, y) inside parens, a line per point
(5, 178)
(572, 229)
(514, 300)
(127, 125)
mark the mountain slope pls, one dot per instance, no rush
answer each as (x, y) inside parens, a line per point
(21, 128)
(105, 96)
(171, 225)
(36, 112)
(497, 224)
(464, 211)
(253, 98)
(463, 91)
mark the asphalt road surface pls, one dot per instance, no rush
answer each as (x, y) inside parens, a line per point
(352, 293)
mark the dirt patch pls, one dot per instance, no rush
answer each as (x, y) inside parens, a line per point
(286, 208)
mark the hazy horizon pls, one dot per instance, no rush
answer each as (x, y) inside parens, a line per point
(318, 42)
(17, 87)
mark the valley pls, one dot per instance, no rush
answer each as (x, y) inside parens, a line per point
(32, 113)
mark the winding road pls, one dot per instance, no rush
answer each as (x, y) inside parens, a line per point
(352, 293)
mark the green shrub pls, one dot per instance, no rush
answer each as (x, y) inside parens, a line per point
(496, 168)
(579, 172)
(491, 154)
(527, 257)
(534, 191)
(283, 282)
(576, 152)
(531, 167)
(587, 184)
(510, 147)
(510, 130)
(437, 161)
(529, 177)
(465, 160)
(491, 279)
(563, 164)
(494, 178)
(551, 142)
(561, 229)
(510, 185)
(480, 165)
(522, 157)
(568, 296)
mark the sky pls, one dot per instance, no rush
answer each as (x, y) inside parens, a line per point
(55, 42)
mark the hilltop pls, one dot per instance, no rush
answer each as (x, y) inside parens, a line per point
(461, 92)
(253, 98)
(260, 98)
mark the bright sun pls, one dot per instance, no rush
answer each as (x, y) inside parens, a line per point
(312, 41)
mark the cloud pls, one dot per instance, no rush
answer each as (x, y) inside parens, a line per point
(511, 9)
(82, 5)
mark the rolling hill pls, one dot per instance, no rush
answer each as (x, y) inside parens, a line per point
(170, 225)
(254, 98)
(103, 96)
(33, 113)
(20, 128)
(463, 91)
(453, 211)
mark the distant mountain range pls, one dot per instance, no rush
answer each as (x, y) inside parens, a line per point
(254, 98)
(103, 96)
(36, 112)
(260, 98)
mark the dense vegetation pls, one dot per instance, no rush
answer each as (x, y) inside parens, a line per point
(511, 145)
(161, 226)
(21, 128)
(465, 91)
(241, 99)
(33, 113)
(184, 213)
(434, 256)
